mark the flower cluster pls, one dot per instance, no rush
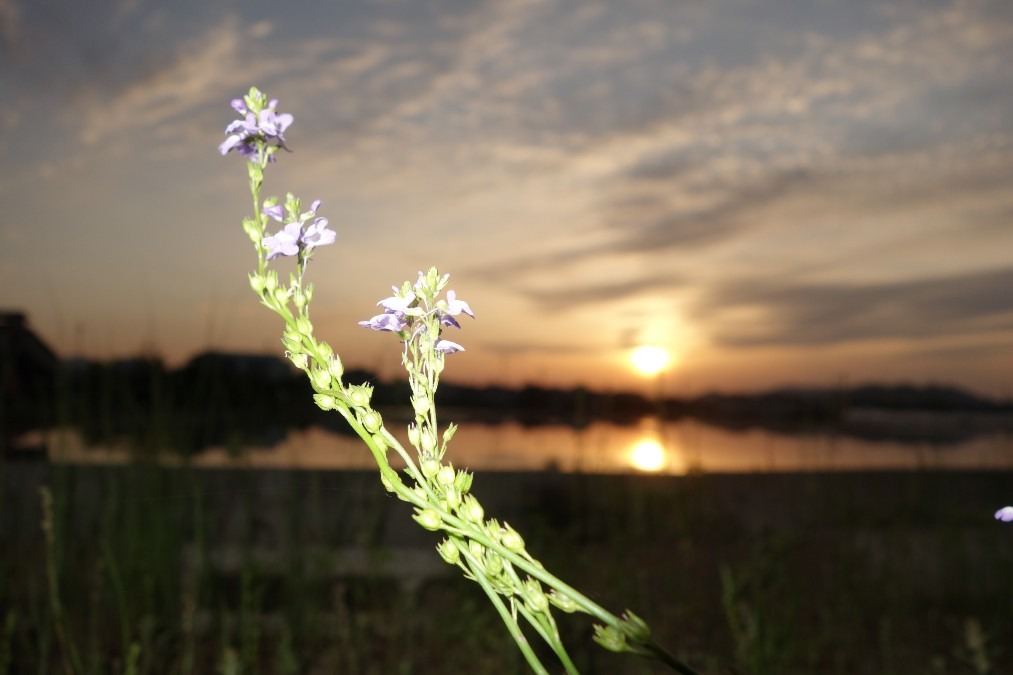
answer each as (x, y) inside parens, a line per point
(296, 235)
(260, 126)
(490, 553)
(406, 311)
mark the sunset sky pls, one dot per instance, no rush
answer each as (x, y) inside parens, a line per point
(777, 192)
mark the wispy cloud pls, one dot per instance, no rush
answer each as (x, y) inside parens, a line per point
(785, 313)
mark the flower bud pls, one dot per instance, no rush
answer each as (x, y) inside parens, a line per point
(324, 401)
(428, 518)
(511, 540)
(463, 481)
(303, 325)
(493, 563)
(477, 550)
(299, 360)
(321, 378)
(610, 638)
(564, 602)
(534, 597)
(449, 552)
(271, 282)
(446, 475)
(257, 283)
(334, 365)
(372, 421)
(413, 438)
(492, 529)
(452, 496)
(427, 441)
(281, 296)
(471, 510)
(324, 350)
(299, 298)
(421, 405)
(430, 465)
(635, 628)
(360, 394)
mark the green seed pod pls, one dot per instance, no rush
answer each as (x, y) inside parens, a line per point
(413, 438)
(635, 628)
(428, 443)
(511, 540)
(449, 551)
(534, 597)
(300, 360)
(452, 496)
(493, 563)
(420, 404)
(610, 638)
(428, 518)
(463, 481)
(471, 510)
(304, 325)
(564, 602)
(322, 378)
(324, 350)
(371, 420)
(334, 365)
(446, 475)
(257, 283)
(360, 394)
(324, 401)
(430, 465)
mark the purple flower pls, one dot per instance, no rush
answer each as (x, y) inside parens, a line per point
(455, 306)
(276, 211)
(391, 321)
(447, 347)
(263, 126)
(1005, 514)
(284, 242)
(317, 234)
(296, 235)
(396, 303)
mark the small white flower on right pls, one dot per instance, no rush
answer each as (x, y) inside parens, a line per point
(1005, 514)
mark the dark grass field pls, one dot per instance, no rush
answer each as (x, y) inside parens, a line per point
(155, 570)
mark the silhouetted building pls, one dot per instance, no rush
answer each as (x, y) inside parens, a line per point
(28, 372)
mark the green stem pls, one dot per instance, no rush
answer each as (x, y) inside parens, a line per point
(550, 635)
(508, 619)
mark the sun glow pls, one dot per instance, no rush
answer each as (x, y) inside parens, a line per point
(649, 360)
(648, 455)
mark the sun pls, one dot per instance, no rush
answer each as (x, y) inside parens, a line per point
(649, 360)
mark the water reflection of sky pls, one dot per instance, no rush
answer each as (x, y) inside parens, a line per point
(686, 446)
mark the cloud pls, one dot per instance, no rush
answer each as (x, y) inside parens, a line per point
(10, 28)
(577, 294)
(772, 312)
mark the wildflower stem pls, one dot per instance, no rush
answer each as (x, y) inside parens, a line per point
(550, 634)
(511, 623)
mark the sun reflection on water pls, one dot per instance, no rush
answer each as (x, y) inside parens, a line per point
(649, 455)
